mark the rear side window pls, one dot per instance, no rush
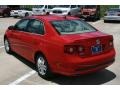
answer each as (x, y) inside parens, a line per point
(72, 26)
(36, 26)
(22, 24)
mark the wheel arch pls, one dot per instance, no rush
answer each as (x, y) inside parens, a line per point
(38, 53)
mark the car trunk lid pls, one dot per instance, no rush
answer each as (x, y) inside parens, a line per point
(94, 43)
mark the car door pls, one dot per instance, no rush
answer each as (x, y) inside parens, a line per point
(16, 35)
(32, 38)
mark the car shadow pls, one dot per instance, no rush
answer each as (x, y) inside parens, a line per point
(97, 78)
(4, 17)
(113, 22)
(91, 20)
(26, 62)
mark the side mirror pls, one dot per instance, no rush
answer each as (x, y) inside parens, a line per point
(11, 27)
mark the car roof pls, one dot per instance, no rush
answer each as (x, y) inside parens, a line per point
(52, 17)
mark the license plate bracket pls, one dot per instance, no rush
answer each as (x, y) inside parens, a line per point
(96, 49)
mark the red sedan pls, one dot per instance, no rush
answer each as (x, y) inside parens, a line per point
(60, 44)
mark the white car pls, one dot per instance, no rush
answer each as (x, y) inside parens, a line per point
(112, 14)
(42, 9)
(66, 10)
(21, 13)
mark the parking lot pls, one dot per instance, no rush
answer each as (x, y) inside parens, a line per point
(16, 70)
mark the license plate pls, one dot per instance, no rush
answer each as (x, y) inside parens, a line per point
(96, 49)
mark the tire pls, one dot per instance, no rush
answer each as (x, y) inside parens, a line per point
(98, 17)
(15, 16)
(69, 14)
(7, 46)
(26, 14)
(105, 21)
(5, 15)
(43, 67)
(94, 19)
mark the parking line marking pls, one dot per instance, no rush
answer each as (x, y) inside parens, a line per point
(1, 46)
(23, 78)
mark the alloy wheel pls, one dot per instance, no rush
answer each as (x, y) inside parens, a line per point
(42, 68)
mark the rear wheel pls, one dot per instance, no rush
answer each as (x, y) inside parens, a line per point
(43, 67)
(7, 46)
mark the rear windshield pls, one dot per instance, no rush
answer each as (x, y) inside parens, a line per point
(72, 26)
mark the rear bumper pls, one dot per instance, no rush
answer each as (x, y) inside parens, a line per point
(78, 66)
(88, 69)
(115, 18)
(91, 68)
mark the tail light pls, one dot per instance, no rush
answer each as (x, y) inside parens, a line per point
(111, 43)
(73, 49)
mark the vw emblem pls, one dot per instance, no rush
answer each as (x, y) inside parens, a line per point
(97, 41)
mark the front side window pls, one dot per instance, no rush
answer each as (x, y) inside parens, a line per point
(72, 26)
(36, 26)
(21, 25)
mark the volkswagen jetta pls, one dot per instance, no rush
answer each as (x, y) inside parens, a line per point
(60, 44)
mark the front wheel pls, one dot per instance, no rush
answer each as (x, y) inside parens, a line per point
(43, 67)
(7, 46)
